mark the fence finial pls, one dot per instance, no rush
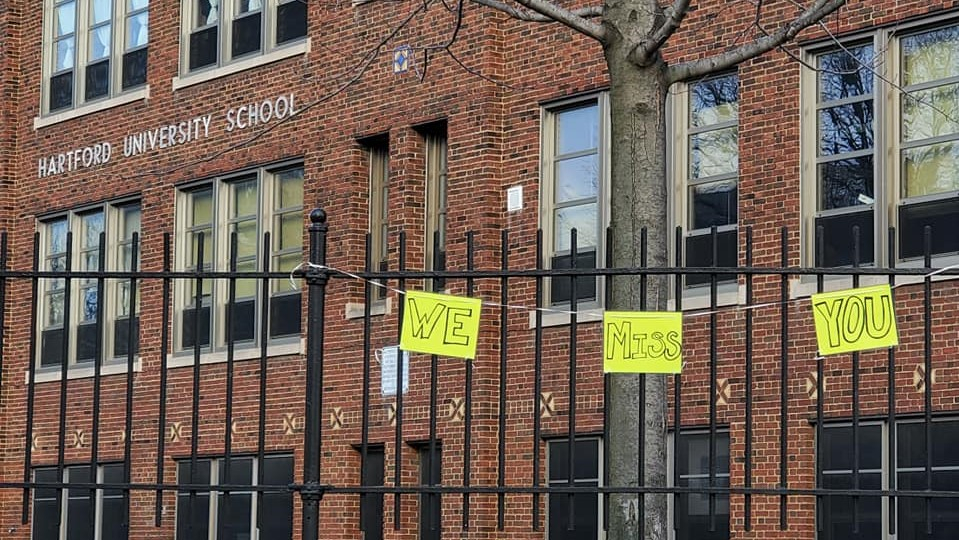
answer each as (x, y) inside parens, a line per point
(317, 216)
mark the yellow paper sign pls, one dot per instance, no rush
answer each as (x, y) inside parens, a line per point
(441, 324)
(855, 320)
(642, 342)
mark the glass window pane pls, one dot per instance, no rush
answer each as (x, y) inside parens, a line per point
(245, 201)
(247, 32)
(99, 42)
(583, 218)
(289, 234)
(138, 30)
(66, 19)
(61, 91)
(930, 113)
(207, 12)
(714, 153)
(714, 203)
(244, 6)
(57, 237)
(207, 248)
(847, 182)
(290, 188)
(577, 178)
(64, 55)
(839, 239)
(92, 227)
(55, 309)
(89, 304)
(846, 128)
(931, 169)
(942, 218)
(714, 101)
(930, 55)
(202, 205)
(130, 216)
(577, 129)
(290, 21)
(133, 5)
(246, 288)
(101, 11)
(844, 73)
(246, 239)
(204, 47)
(944, 444)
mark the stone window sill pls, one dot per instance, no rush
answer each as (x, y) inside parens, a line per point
(185, 358)
(81, 371)
(191, 79)
(140, 94)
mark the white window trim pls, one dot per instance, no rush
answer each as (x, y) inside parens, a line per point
(82, 371)
(887, 147)
(275, 349)
(110, 364)
(547, 181)
(600, 455)
(270, 51)
(80, 107)
(216, 350)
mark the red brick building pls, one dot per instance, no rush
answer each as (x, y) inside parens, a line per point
(200, 119)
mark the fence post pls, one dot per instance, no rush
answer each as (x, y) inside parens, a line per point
(316, 278)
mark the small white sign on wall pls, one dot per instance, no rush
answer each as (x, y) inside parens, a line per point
(387, 357)
(514, 199)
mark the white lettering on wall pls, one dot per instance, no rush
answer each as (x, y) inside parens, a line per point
(253, 114)
(167, 136)
(79, 158)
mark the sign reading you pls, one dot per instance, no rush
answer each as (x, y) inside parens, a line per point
(441, 324)
(642, 342)
(855, 320)
(176, 133)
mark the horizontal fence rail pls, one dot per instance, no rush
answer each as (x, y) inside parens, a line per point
(535, 392)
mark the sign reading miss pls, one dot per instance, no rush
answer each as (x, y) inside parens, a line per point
(441, 324)
(642, 342)
(855, 320)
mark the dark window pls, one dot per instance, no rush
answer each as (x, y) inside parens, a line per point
(911, 464)
(699, 253)
(247, 34)
(190, 327)
(134, 68)
(203, 47)
(290, 21)
(276, 506)
(193, 509)
(112, 526)
(98, 80)
(585, 505)
(79, 505)
(942, 218)
(693, 467)
(371, 504)
(234, 510)
(562, 287)
(285, 315)
(244, 320)
(87, 342)
(431, 518)
(837, 469)
(121, 340)
(45, 507)
(51, 347)
(838, 238)
(61, 91)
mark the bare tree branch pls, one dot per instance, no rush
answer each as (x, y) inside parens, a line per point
(674, 16)
(720, 62)
(547, 11)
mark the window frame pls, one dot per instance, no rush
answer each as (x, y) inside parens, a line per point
(112, 213)
(888, 146)
(83, 25)
(436, 144)
(221, 194)
(547, 178)
(99, 496)
(671, 474)
(226, 16)
(600, 467)
(377, 155)
(256, 469)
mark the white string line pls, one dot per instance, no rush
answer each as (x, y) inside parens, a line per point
(488, 303)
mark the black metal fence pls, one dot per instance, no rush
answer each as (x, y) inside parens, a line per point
(767, 316)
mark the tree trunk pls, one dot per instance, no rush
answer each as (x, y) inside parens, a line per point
(638, 199)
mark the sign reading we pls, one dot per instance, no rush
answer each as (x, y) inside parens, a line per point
(642, 342)
(855, 320)
(441, 324)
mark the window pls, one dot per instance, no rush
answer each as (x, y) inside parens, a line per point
(587, 509)
(879, 163)
(694, 518)
(220, 31)
(253, 206)
(431, 518)
(573, 192)
(837, 468)
(79, 507)
(707, 165)
(93, 49)
(241, 514)
(371, 504)
(436, 203)
(378, 153)
(74, 335)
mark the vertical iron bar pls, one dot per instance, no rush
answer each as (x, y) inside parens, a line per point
(367, 349)
(164, 338)
(504, 300)
(641, 424)
(230, 350)
(608, 298)
(537, 379)
(128, 427)
(677, 384)
(31, 380)
(573, 329)
(468, 421)
(927, 357)
(820, 385)
(195, 408)
(713, 359)
(434, 382)
(398, 444)
(316, 325)
(64, 365)
(264, 341)
(748, 503)
(891, 421)
(3, 299)
(784, 378)
(97, 366)
(855, 395)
